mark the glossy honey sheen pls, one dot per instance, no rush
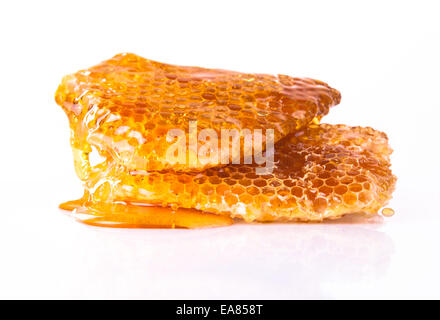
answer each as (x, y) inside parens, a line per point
(322, 172)
(124, 107)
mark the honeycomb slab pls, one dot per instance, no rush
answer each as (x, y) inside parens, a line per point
(127, 105)
(125, 108)
(321, 172)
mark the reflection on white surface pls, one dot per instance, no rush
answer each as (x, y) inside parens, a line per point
(242, 261)
(283, 260)
(259, 260)
(47, 254)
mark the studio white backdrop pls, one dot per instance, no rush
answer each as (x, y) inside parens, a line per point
(382, 55)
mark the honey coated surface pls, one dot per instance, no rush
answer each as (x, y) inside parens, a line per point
(126, 105)
(322, 172)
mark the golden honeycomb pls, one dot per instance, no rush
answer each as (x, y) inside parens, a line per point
(126, 105)
(320, 172)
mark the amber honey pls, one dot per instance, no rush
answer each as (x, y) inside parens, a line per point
(125, 106)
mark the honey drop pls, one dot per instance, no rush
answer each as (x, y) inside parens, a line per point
(388, 212)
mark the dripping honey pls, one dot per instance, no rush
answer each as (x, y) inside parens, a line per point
(322, 171)
(129, 215)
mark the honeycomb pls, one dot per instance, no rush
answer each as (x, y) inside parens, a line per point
(320, 172)
(126, 105)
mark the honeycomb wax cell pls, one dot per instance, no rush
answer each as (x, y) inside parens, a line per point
(127, 105)
(320, 172)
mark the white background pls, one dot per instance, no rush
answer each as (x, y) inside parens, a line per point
(382, 55)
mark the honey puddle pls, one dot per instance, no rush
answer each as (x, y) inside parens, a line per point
(130, 215)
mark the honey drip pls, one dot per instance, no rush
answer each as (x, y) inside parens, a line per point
(125, 106)
(128, 215)
(387, 212)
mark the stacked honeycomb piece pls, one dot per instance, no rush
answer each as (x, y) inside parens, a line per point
(126, 107)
